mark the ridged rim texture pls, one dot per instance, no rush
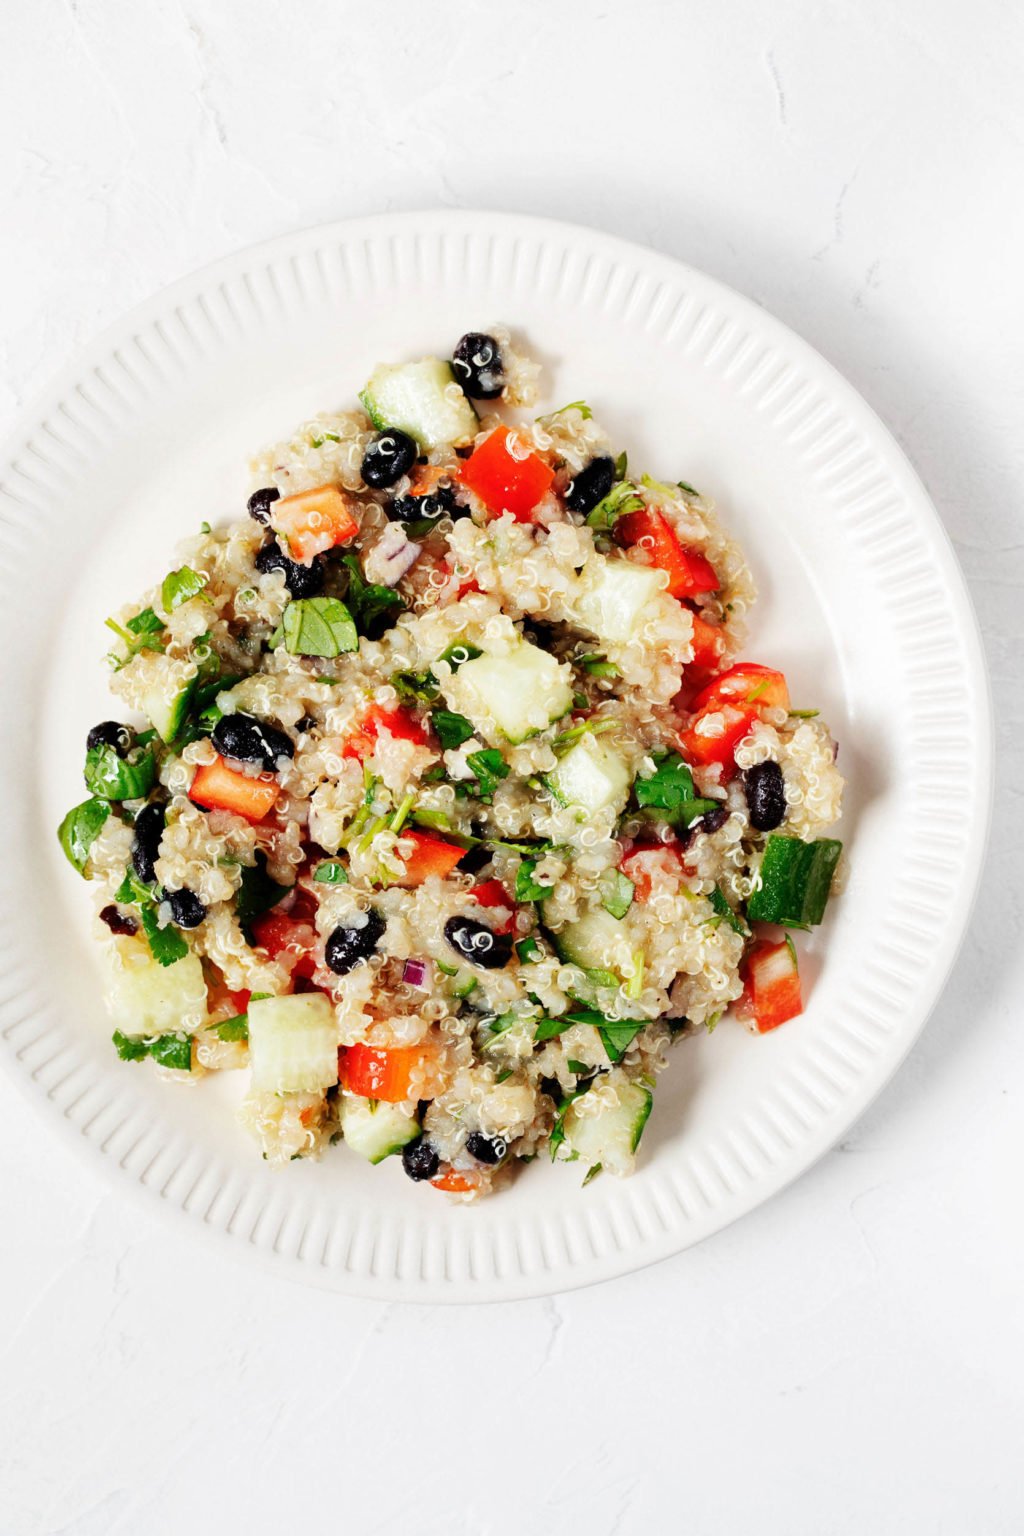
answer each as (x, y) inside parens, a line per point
(886, 529)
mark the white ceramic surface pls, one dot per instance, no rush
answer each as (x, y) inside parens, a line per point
(861, 603)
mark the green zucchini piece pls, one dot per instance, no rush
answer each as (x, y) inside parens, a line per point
(795, 881)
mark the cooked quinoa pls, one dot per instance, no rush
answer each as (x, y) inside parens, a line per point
(447, 806)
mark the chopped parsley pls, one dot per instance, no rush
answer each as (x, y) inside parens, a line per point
(451, 729)
(528, 888)
(373, 607)
(489, 768)
(167, 1050)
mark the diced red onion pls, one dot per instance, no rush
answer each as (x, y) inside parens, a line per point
(392, 556)
(416, 973)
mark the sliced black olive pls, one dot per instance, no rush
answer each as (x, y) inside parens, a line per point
(477, 943)
(389, 456)
(477, 364)
(301, 580)
(419, 1159)
(260, 502)
(348, 945)
(187, 911)
(249, 740)
(765, 790)
(149, 829)
(591, 485)
(111, 733)
(486, 1149)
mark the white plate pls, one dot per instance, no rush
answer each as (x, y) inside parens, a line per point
(861, 603)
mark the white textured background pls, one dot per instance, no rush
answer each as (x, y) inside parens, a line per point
(849, 1359)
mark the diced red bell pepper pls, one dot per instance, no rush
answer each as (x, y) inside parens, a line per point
(771, 987)
(455, 1183)
(288, 939)
(714, 734)
(747, 685)
(689, 573)
(220, 788)
(708, 642)
(381, 1074)
(492, 894)
(507, 475)
(429, 856)
(240, 1000)
(397, 722)
(641, 864)
(313, 521)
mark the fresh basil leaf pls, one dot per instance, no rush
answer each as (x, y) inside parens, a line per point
(670, 789)
(318, 626)
(257, 893)
(331, 872)
(128, 1048)
(618, 1035)
(528, 888)
(579, 1067)
(80, 829)
(172, 1051)
(451, 729)
(415, 687)
(548, 1029)
(234, 1029)
(179, 586)
(721, 905)
(617, 892)
(374, 608)
(602, 978)
(166, 945)
(489, 768)
(111, 777)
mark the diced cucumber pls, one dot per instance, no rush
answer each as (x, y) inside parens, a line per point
(145, 998)
(293, 1043)
(166, 711)
(598, 942)
(423, 399)
(611, 1136)
(374, 1129)
(591, 775)
(613, 595)
(462, 983)
(795, 881)
(514, 696)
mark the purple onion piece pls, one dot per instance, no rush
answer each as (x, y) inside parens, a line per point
(392, 556)
(416, 972)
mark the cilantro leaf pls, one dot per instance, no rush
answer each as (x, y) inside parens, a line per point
(179, 586)
(489, 768)
(234, 1029)
(622, 498)
(146, 623)
(374, 608)
(451, 729)
(527, 887)
(128, 1048)
(415, 687)
(80, 829)
(548, 1029)
(618, 1035)
(172, 1051)
(166, 945)
(331, 872)
(318, 626)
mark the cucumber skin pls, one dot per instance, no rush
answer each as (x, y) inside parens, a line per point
(406, 421)
(395, 1131)
(171, 716)
(796, 878)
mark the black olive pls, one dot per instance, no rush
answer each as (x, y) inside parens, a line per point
(591, 485)
(118, 921)
(474, 860)
(348, 945)
(486, 1149)
(553, 1088)
(389, 456)
(259, 503)
(477, 364)
(766, 795)
(301, 580)
(419, 1159)
(149, 829)
(477, 943)
(111, 733)
(187, 911)
(249, 740)
(306, 724)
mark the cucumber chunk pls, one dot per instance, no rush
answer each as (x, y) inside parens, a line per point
(613, 595)
(610, 1136)
(293, 1044)
(597, 942)
(795, 881)
(423, 399)
(592, 776)
(374, 1129)
(145, 998)
(166, 711)
(513, 696)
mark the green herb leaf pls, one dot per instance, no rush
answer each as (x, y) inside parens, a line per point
(458, 653)
(111, 777)
(574, 405)
(234, 1029)
(804, 714)
(374, 608)
(179, 586)
(503, 1077)
(257, 893)
(622, 498)
(670, 789)
(146, 623)
(131, 890)
(687, 490)
(595, 726)
(579, 1067)
(172, 1051)
(548, 1029)
(128, 1048)
(527, 950)
(331, 872)
(318, 626)
(618, 1035)
(489, 768)
(621, 465)
(415, 687)
(617, 892)
(590, 1174)
(451, 729)
(721, 905)
(527, 887)
(80, 829)
(166, 945)
(602, 978)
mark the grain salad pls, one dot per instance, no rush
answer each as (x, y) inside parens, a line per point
(443, 802)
